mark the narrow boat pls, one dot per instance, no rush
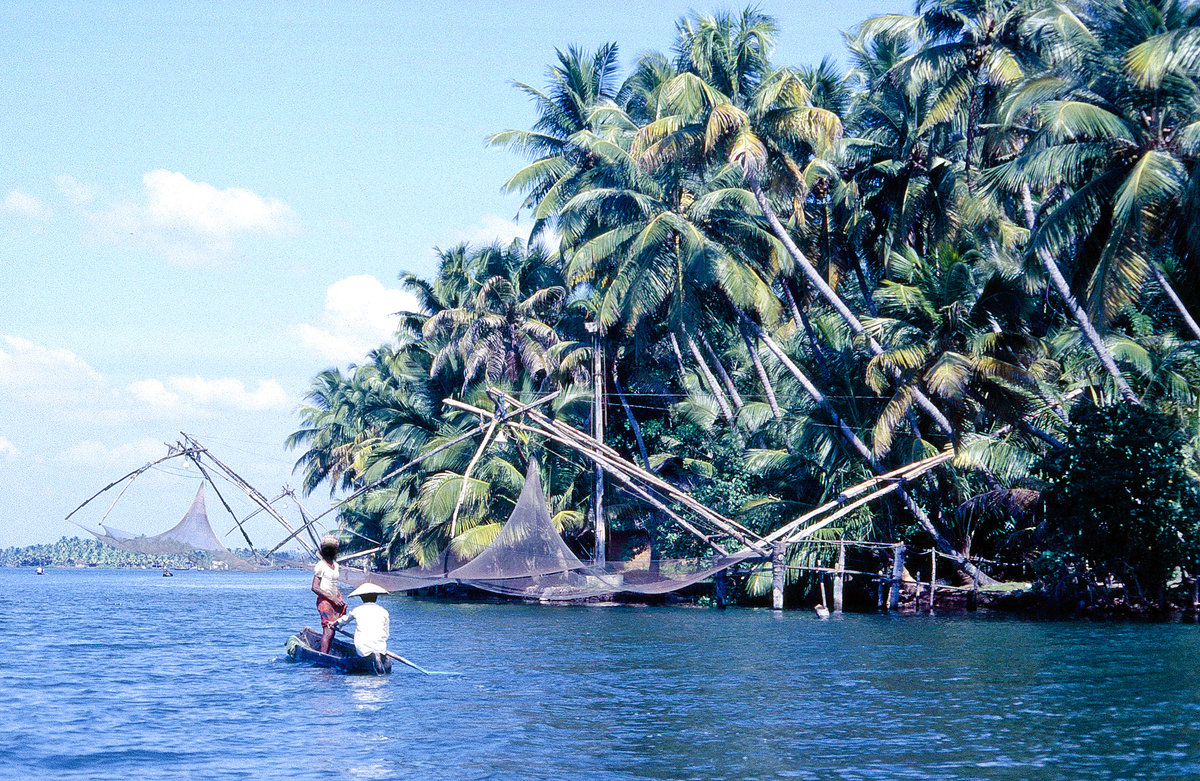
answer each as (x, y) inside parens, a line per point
(41, 571)
(303, 647)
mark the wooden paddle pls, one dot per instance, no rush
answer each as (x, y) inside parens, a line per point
(400, 658)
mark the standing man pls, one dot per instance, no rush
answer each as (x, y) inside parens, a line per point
(330, 604)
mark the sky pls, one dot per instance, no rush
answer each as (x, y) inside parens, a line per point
(202, 205)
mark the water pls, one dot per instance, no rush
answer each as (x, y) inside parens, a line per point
(115, 674)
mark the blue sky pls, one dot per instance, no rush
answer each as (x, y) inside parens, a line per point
(204, 204)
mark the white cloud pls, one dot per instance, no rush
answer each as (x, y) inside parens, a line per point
(8, 451)
(174, 200)
(35, 376)
(34, 373)
(75, 191)
(23, 203)
(181, 392)
(91, 452)
(359, 316)
(191, 223)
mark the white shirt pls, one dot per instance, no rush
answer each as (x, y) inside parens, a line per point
(328, 577)
(372, 627)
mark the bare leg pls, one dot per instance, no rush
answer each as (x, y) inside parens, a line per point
(326, 639)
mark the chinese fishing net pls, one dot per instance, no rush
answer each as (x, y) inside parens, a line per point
(193, 533)
(529, 559)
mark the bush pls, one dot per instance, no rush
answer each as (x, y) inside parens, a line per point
(1120, 501)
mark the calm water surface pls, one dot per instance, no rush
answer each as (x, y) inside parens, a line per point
(120, 674)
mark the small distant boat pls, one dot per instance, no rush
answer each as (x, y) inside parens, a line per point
(41, 571)
(168, 573)
(342, 656)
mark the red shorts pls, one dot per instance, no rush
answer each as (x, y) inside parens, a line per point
(329, 613)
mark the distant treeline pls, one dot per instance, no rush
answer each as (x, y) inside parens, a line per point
(72, 551)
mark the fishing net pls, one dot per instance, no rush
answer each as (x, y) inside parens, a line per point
(193, 533)
(529, 559)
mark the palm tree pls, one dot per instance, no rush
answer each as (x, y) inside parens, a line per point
(580, 86)
(504, 325)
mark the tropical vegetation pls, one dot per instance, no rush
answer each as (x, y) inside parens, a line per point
(803, 275)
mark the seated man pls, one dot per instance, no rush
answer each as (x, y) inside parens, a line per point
(372, 622)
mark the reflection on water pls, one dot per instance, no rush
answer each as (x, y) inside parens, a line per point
(121, 673)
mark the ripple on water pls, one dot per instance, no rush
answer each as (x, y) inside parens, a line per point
(128, 675)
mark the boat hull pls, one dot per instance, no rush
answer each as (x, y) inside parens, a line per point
(304, 647)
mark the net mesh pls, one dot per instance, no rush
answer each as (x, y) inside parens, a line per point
(529, 559)
(192, 533)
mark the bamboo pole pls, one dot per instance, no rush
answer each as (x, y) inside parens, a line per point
(839, 577)
(360, 491)
(195, 459)
(729, 526)
(932, 577)
(904, 473)
(634, 488)
(248, 489)
(462, 490)
(614, 462)
(134, 473)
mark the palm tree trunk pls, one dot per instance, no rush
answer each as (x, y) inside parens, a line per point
(1161, 278)
(1081, 319)
(834, 299)
(761, 371)
(713, 386)
(726, 380)
(860, 447)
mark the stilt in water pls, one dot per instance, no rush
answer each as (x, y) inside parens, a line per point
(897, 576)
(839, 577)
(721, 588)
(778, 574)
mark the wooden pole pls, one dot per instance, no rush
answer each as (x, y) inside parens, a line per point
(600, 556)
(932, 576)
(460, 438)
(897, 576)
(778, 574)
(839, 577)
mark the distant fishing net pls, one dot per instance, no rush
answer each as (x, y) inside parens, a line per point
(193, 533)
(529, 559)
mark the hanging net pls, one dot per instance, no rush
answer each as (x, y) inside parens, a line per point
(192, 534)
(529, 559)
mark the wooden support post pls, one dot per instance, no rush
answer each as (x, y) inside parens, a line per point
(778, 574)
(839, 577)
(721, 588)
(1195, 594)
(973, 595)
(897, 576)
(601, 529)
(932, 576)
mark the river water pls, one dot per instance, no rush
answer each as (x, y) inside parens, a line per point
(124, 673)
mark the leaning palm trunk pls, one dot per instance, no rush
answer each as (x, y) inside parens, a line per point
(1081, 319)
(705, 372)
(1167, 288)
(861, 448)
(726, 380)
(834, 299)
(761, 371)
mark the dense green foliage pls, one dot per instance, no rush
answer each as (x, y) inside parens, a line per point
(1120, 503)
(803, 276)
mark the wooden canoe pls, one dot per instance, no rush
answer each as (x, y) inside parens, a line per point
(304, 647)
